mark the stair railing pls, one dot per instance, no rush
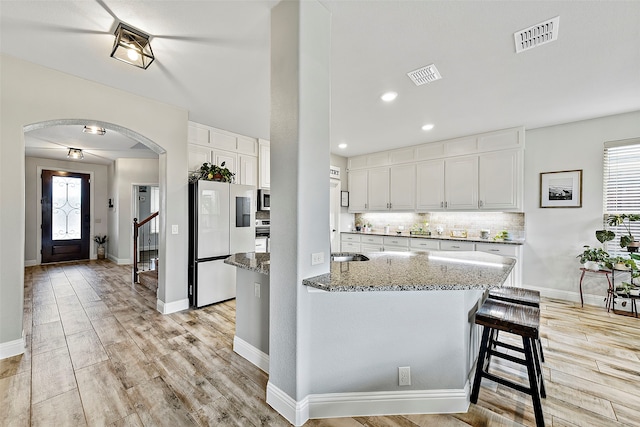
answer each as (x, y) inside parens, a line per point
(145, 244)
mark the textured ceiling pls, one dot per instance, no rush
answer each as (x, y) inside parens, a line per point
(212, 59)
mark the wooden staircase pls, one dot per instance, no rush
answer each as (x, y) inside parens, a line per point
(149, 279)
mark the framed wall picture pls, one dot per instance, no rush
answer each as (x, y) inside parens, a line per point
(561, 189)
(344, 198)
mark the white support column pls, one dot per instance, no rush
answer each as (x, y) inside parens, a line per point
(300, 158)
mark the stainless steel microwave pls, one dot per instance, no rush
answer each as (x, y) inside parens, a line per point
(264, 200)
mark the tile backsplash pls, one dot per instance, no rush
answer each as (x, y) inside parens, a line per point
(473, 222)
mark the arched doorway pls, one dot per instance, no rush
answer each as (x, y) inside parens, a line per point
(105, 157)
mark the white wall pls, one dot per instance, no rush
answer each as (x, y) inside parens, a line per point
(33, 208)
(34, 94)
(556, 236)
(129, 172)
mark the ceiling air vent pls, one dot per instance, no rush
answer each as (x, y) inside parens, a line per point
(424, 75)
(537, 35)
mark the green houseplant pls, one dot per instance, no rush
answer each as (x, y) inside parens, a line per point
(211, 172)
(593, 258)
(624, 220)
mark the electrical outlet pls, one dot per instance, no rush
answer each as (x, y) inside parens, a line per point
(404, 375)
(256, 288)
(174, 229)
(317, 258)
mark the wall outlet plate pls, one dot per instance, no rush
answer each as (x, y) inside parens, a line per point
(317, 258)
(404, 375)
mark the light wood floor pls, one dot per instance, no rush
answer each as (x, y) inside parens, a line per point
(98, 353)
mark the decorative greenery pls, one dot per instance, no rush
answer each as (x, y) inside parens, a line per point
(100, 240)
(593, 254)
(626, 287)
(617, 220)
(502, 235)
(629, 263)
(210, 172)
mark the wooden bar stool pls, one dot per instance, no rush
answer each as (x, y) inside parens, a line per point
(519, 320)
(518, 296)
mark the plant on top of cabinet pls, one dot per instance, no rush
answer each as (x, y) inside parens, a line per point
(211, 172)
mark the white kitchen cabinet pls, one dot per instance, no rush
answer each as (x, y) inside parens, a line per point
(461, 183)
(420, 244)
(499, 182)
(430, 185)
(399, 244)
(229, 159)
(350, 247)
(248, 170)
(382, 189)
(371, 243)
(264, 165)
(197, 156)
(402, 187)
(378, 189)
(454, 245)
(358, 183)
(511, 251)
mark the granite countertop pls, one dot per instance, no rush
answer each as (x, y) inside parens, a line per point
(474, 239)
(258, 262)
(400, 271)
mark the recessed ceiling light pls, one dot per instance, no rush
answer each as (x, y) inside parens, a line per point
(75, 153)
(389, 96)
(343, 145)
(427, 127)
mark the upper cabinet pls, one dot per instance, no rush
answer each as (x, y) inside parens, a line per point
(383, 189)
(264, 170)
(239, 153)
(500, 181)
(478, 172)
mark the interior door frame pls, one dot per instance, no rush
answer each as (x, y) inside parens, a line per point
(334, 203)
(135, 213)
(40, 168)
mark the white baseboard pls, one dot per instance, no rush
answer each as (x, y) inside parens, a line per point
(30, 262)
(172, 307)
(251, 353)
(335, 405)
(573, 296)
(297, 413)
(12, 348)
(120, 261)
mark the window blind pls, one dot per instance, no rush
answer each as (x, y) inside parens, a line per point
(621, 187)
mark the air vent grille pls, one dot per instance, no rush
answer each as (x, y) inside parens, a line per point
(424, 75)
(537, 35)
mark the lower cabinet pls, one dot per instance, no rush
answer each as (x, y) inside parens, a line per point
(454, 245)
(399, 244)
(512, 251)
(418, 244)
(371, 243)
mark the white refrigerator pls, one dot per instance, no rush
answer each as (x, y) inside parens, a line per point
(221, 223)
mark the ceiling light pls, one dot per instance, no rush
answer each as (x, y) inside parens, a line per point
(94, 130)
(389, 96)
(427, 127)
(132, 46)
(75, 153)
(343, 145)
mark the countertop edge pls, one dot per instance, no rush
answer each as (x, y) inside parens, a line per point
(441, 237)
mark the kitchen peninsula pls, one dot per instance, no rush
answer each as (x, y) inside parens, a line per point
(368, 318)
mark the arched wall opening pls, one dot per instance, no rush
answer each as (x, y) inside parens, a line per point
(106, 185)
(32, 94)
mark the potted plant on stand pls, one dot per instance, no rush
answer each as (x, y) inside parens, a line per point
(627, 239)
(593, 258)
(101, 240)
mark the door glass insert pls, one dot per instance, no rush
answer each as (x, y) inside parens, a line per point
(65, 213)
